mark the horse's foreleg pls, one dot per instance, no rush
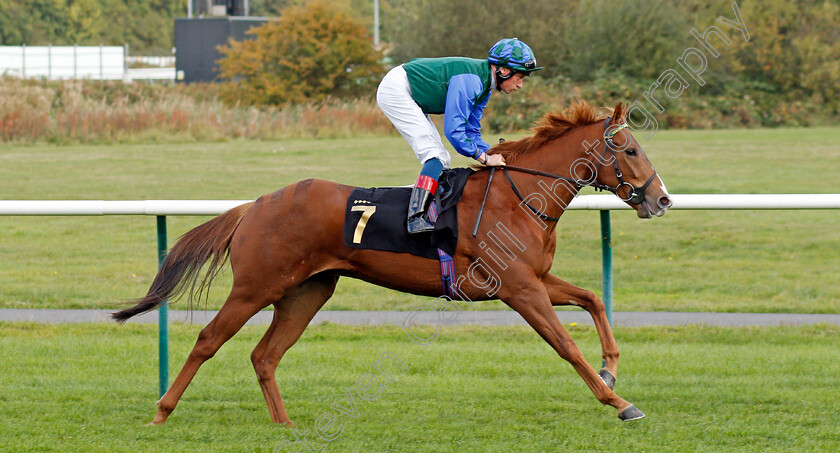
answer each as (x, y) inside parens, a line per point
(564, 293)
(535, 307)
(291, 316)
(236, 311)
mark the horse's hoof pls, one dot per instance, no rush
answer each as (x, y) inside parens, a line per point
(631, 413)
(288, 423)
(607, 377)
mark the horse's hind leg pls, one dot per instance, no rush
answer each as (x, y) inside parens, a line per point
(563, 293)
(291, 316)
(237, 310)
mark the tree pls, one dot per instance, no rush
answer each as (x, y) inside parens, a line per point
(639, 38)
(468, 28)
(146, 25)
(84, 22)
(308, 53)
(793, 46)
(33, 22)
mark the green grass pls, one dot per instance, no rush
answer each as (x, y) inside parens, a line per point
(729, 261)
(93, 387)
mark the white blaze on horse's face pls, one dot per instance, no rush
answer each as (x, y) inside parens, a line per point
(641, 188)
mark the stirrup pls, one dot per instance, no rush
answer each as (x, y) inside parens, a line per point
(419, 224)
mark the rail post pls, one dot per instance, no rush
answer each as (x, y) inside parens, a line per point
(606, 264)
(163, 314)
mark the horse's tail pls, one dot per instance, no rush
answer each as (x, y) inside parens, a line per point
(180, 269)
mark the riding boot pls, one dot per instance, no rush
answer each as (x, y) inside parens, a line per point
(418, 221)
(424, 189)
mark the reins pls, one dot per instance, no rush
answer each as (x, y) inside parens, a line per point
(516, 191)
(636, 195)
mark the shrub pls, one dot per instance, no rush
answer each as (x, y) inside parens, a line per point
(309, 53)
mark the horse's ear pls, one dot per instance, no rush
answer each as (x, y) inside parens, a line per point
(618, 113)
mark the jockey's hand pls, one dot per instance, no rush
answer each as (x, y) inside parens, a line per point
(495, 160)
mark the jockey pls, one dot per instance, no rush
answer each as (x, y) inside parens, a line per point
(458, 88)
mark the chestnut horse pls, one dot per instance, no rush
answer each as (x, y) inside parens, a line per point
(286, 249)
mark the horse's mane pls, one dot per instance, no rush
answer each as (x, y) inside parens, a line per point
(552, 126)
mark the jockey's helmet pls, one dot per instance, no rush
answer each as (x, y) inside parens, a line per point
(513, 54)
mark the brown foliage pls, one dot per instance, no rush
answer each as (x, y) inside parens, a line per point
(86, 111)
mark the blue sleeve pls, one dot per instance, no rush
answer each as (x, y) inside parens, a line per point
(462, 117)
(474, 125)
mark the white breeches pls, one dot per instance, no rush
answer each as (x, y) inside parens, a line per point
(394, 98)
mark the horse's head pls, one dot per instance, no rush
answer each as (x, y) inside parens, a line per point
(625, 170)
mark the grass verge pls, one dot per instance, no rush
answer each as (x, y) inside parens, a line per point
(93, 387)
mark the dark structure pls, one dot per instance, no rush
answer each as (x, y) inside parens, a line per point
(220, 7)
(196, 41)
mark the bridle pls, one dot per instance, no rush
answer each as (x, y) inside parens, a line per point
(636, 195)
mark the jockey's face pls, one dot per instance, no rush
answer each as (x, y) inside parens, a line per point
(514, 83)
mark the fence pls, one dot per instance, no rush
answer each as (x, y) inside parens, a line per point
(602, 203)
(79, 62)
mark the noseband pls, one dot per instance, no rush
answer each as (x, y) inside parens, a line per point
(636, 195)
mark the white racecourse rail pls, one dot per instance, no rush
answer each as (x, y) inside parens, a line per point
(603, 203)
(587, 202)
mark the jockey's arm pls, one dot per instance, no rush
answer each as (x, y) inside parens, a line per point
(462, 117)
(473, 131)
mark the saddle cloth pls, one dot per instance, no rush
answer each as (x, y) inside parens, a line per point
(376, 218)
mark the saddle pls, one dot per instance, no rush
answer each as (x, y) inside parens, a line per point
(375, 219)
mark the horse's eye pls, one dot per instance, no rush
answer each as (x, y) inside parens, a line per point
(631, 152)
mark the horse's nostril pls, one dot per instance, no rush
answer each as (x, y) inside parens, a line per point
(664, 202)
